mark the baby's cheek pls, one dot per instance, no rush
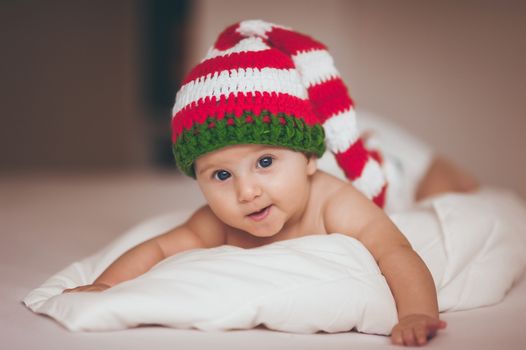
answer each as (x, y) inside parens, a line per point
(294, 195)
(224, 209)
(215, 196)
(291, 186)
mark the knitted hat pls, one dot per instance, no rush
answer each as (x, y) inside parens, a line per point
(262, 83)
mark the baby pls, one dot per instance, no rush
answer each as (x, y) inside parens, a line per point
(249, 123)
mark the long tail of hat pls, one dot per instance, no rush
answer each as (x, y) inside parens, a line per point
(329, 96)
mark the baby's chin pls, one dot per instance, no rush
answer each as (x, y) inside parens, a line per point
(261, 230)
(263, 233)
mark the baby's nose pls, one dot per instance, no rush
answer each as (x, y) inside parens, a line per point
(247, 190)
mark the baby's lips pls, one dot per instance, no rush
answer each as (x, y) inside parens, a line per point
(258, 210)
(261, 214)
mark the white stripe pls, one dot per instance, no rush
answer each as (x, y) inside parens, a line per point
(372, 142)
(241, 80)
(315, 66)
(247, 44)
(371, 180)
(257, 27)
(254, 27)
(341, 131)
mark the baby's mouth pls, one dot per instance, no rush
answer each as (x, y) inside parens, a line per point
(260, 214)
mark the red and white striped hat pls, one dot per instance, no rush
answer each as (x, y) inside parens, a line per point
(263, 83)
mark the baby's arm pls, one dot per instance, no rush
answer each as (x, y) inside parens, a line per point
(410, 281)
(202, 230)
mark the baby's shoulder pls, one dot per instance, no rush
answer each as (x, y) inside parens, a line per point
(331, 188)
(343, 207)
(208, 226)
(327, 190)
(325, 186)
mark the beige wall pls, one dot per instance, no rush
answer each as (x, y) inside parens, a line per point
(453, 72)
(69, 85)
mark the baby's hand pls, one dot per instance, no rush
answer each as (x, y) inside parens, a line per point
(95, 287)
(416, 329)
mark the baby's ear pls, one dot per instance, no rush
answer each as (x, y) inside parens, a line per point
(312, 164)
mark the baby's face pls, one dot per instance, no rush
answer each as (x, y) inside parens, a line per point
(256, 188)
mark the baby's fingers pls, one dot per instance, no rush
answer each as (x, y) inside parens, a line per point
(409, 336)
(403, 336)
(422, 335)
(71, 290)
(396, 337)
(415, 336)
(434, 326)
(425, 332)
(99, 287)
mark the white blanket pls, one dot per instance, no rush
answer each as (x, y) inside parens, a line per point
(474, 245)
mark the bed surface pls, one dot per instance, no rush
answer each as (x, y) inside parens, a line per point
(51, 220)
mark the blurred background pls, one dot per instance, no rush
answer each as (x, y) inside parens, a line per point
(88, 85)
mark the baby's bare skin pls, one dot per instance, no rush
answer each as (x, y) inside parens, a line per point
(443, 176)
(256, 205)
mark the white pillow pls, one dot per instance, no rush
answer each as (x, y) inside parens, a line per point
(474, 246)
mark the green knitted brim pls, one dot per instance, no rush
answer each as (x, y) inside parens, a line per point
(214, 134)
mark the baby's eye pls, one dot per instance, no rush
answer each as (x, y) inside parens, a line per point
(265, 162)
(221, 175)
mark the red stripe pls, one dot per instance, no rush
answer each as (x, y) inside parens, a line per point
(353, 160)
(228, 38)
(292, 42)
(379, 199)
(329, 97)
(197, 112)
(271, 58)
